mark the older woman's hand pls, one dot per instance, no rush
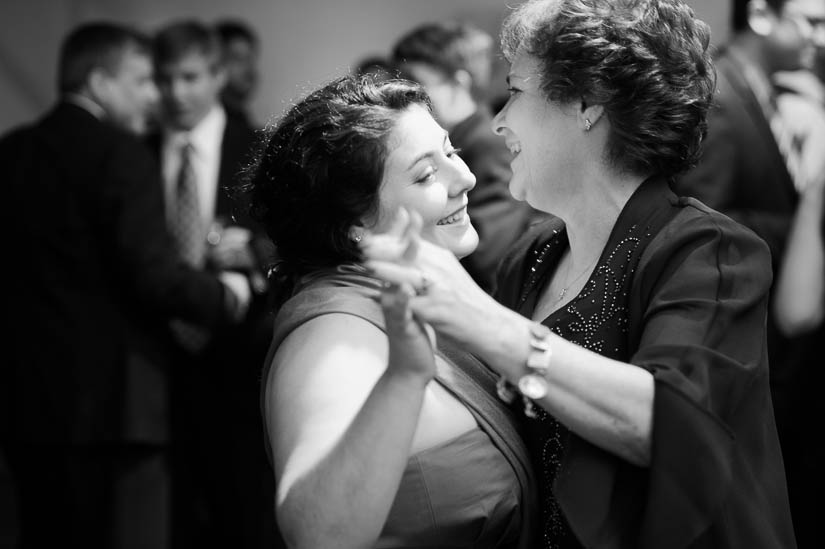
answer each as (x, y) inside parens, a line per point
(445, 295)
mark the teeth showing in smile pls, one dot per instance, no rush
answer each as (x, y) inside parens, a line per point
(451, 219)
(515, 148)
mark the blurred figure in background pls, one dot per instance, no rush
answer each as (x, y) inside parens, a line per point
(224, 486)
(749, 164)
(94, 280)
(453, 62)
(799, 296)
(241, 49)
(800, 93)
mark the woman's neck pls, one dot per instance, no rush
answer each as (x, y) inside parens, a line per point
(592, 217)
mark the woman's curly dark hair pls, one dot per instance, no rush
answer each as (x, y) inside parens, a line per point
(318, 171)
(646, 61)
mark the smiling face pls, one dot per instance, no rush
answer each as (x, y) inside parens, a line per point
(542, 136)
(423, 173)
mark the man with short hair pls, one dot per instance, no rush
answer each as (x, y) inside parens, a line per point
(750, 164)
(453, 63)
(225, 486)
(94, 280)
(743, 171)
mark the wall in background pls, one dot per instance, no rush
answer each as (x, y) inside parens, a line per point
(304, 42)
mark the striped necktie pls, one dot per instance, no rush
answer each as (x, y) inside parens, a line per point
(188, 233)
(187, 227)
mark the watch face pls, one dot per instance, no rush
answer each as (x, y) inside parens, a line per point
(533, 386)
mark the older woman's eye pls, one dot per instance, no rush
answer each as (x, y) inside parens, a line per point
(513, 91)
(452, 152)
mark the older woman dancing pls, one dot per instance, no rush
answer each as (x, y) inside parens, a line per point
(634, 326)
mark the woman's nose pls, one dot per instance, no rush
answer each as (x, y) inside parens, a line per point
(497, 124)
(463, 181)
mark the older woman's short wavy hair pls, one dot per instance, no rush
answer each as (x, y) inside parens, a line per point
(318, 171)
(646, 61)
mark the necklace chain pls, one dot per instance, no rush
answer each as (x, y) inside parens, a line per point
(563, 291)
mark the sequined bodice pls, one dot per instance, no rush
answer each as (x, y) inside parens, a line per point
(595, 319)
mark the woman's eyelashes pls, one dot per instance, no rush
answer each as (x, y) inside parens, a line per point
(429, 173)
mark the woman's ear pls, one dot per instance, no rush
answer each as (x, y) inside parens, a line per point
(589, 114)
(356, 233)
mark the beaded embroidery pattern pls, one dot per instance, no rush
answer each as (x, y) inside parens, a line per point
(595, 319)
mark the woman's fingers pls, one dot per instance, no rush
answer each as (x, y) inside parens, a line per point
(395, 301)
(395, 273)
(383, 247)
(412, 235)
(398, 314)
(399, 243)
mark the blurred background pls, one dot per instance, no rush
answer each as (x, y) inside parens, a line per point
(303, 44)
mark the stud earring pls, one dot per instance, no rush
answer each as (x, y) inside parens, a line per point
(357, 238)
(587, 124)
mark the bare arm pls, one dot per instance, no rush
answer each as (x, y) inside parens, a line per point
(342, 408)
(604, 401)
(799, 297)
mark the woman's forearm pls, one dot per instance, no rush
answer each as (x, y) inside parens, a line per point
(606, 402)
(799, 297)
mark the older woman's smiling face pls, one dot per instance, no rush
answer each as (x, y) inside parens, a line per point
(541, 135)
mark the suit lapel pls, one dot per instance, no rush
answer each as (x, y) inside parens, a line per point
(734, 74)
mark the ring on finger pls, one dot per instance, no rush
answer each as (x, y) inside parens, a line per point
(424, 287)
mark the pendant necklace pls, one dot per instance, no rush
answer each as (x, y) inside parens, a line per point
(563, 291)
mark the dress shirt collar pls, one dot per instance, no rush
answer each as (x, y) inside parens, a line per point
(205, 137)
(86, 104)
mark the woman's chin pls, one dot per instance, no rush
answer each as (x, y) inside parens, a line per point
(465, 244)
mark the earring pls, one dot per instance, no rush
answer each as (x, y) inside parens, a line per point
(357, 238)
(587, 124)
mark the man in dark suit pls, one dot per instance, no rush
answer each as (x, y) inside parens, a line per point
(743, 172)
(94, 280)
(225, 483)
(452, 61)
(747, 169)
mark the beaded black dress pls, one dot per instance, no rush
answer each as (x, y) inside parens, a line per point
(681, 291)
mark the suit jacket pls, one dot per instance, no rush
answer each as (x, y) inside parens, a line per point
(229, 368)
(741, 172)
(498, 218)
(94, 277)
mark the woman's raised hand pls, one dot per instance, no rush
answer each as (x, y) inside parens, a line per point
(442, 293)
